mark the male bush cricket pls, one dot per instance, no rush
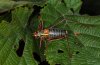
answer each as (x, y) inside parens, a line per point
(49, 33)
(52, 33)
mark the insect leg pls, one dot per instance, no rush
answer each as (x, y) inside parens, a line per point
(55, 39)
(68, 49)
(41, 39)
(40, 27)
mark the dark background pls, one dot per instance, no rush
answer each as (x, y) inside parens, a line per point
(91, 7)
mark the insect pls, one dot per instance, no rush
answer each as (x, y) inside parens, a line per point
(49, 33)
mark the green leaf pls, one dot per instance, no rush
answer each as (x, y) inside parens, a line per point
(11, 34)
(81, 47)
(75, 5)
(38, 2)
(7, 5)
(58, 9)
(89, 36)
(57, 53)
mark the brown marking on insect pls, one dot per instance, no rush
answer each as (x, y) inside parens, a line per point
(46, 31)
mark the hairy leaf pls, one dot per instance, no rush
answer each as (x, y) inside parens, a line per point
(12, 35)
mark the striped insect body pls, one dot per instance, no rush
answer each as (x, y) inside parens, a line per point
(57, 33)
(52, 33)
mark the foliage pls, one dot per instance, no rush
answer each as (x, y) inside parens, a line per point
(19, 20)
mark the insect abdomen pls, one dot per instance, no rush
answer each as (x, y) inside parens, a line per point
(57, 33)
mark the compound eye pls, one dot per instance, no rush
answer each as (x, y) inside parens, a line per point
(35, 34)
